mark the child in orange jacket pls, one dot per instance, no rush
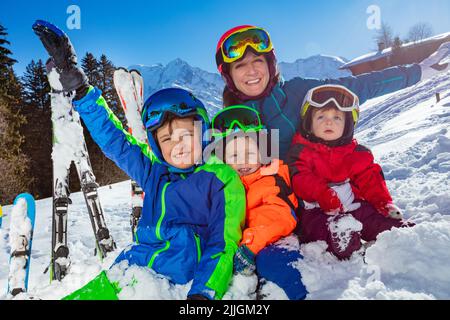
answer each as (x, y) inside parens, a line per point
(271, 204)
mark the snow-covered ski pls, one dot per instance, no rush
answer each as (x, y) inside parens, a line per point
(130, 89)
(69, 145)
(20, 239)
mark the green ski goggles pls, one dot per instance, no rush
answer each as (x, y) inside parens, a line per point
(235, 118)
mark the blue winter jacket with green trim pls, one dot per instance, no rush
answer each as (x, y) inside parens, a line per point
(191, 224)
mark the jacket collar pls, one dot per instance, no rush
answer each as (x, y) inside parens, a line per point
(267, 170)
(320, 147)
(276, 93)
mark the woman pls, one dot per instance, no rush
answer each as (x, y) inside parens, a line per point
(246, 60)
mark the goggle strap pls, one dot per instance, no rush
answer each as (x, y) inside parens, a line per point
(355, 115)
(305, 108)
(202, 112)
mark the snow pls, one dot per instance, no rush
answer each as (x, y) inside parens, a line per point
(403, 255)
(323, 274)
(53, 77)
(409, 135)
(343, 229)
(135, 282)
(70, 142)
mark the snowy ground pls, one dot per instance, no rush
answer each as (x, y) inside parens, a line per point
(409, 134)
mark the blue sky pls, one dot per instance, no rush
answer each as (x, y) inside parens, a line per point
(147, 32)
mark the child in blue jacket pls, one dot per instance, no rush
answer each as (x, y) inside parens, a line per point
(193, 213)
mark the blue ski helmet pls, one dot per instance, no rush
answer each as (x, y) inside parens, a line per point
(178, 102)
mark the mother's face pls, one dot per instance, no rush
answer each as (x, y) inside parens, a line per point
(250, 74)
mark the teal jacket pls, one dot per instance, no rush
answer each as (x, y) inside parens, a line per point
(281, 109)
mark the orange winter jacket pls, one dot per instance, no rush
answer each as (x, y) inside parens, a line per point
(271, 206)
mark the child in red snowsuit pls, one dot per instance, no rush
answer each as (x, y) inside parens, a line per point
(337, 177)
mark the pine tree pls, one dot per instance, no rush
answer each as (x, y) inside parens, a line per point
(36, 109)
(90, 66)
(106, 77)
(10, 87)
(101, 75)
(13, 164)
(36, 87)
(6, 62)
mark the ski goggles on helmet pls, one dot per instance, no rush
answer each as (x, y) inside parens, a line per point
(344, 99)
(233, 47)
(179, 102)
(235, 118)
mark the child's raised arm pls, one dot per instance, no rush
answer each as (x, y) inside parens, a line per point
(132, 156)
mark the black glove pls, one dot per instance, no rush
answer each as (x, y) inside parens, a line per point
(63, 58)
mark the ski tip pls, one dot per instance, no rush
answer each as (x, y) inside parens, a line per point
(135, 71)
(122, 68)
(31, 206)
(26, 196)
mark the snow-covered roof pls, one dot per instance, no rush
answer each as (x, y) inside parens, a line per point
(386, 52)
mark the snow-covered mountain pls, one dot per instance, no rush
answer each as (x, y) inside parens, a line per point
(318, 66)
(208, 86)
(409, 134)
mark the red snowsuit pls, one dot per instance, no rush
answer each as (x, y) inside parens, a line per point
(313, 166)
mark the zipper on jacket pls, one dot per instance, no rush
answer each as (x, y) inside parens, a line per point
(283, 115)
(199, 250)
(158, 226)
